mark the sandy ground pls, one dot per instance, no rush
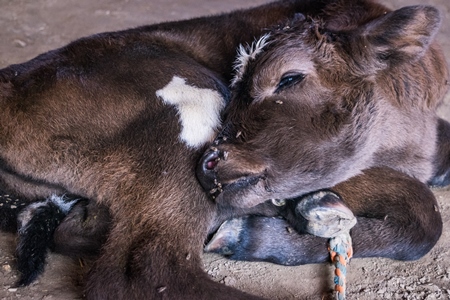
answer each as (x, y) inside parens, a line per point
(30, 27)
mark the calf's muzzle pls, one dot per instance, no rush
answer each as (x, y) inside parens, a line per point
(206, 171)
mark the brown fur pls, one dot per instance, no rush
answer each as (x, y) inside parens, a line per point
(85, 119)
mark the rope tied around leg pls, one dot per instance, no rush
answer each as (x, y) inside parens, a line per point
(341, 250)
(329, 217)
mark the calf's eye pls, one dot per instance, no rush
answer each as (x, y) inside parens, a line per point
(288, 80)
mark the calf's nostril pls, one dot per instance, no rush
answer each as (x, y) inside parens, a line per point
(211, 160)
(206, 169)
(211, 164)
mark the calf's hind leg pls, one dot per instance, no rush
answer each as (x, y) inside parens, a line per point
(162, 255)
(404, 208)
(397, 217)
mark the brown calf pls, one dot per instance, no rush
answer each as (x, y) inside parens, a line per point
(110, 118)
(346, 101)
(121, 118)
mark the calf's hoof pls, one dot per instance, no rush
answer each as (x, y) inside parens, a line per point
(226, 238)
(326, 214)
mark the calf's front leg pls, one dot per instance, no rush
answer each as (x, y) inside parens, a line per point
(397, 218)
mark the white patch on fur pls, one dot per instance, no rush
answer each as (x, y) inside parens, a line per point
(245, 54)
(61, 202)
(27, 214)
(198, 108)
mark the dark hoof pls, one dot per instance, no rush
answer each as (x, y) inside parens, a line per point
(227, 236)
(326, 214)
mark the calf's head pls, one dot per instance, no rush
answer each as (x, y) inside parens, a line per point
(305, 100)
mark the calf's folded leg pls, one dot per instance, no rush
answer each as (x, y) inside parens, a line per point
(397, 217)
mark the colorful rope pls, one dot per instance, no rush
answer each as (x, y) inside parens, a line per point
(341, 250)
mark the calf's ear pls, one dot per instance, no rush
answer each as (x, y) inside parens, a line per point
(403, 34)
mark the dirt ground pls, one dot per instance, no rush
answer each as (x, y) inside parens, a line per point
(30, 27)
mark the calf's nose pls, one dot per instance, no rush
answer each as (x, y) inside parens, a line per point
(206, 172)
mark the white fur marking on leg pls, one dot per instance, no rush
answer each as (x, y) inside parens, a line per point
(61, 202)
(199, 110)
